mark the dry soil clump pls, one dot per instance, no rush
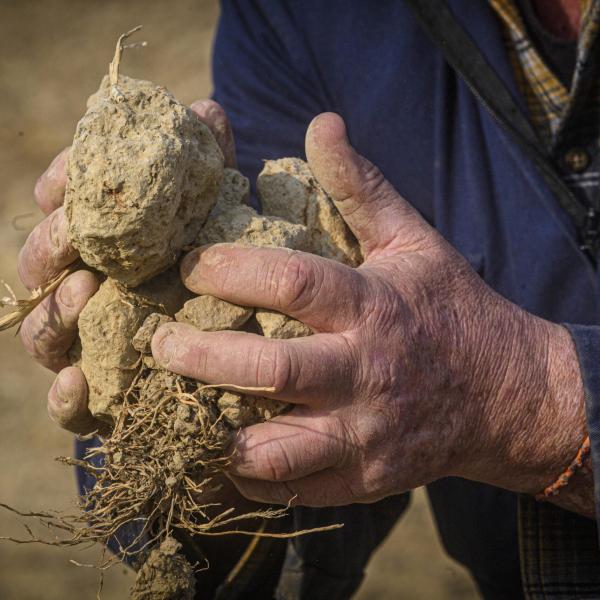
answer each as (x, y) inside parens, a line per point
(142, 175)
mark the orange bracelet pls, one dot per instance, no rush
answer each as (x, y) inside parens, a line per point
(554, 488)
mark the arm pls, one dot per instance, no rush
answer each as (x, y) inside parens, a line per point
(417, 369)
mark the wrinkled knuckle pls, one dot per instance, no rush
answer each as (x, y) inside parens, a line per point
(281, 367)
(33, 258)
(44, 336)
(197, 360)
(36, 345)
(386, 310)
(373, 180)
(276, 463)
(350, 444)
(74, 293)
(37, 250)
(356, 295)
(221, 271)
(299, 282)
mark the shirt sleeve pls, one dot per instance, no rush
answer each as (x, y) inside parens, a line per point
(587, 343)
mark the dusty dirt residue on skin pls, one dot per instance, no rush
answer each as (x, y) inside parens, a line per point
(53, 54)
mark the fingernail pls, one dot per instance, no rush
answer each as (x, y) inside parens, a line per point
(190, 263)
(164, 344)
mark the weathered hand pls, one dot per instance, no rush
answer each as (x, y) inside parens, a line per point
(416, 370)
(50, 330)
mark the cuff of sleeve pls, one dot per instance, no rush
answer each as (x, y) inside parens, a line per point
(587, 344)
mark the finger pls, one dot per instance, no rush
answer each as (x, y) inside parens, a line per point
(324, 294)
(313, 369)
(212, 114)
(325, 488)
(67, 402)
(379, 217)
(50, 330)
(289, 447)
(49, 189)
(46, 251)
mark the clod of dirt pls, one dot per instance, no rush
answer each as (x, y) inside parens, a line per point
(208, 313)
(107, 325)
(166, 575)
(276, 325)
(235, 411)
(235, 190)
(240, 411)
(143, 338)
(243, 225)
(142, 176)
(288, 189)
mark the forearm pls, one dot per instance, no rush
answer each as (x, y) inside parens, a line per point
(569, 421)
(536, 421)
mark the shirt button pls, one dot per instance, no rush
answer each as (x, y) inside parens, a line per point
(577, 159)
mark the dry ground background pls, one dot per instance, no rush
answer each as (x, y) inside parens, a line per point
(52, 56)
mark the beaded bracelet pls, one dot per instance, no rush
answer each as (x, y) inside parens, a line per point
(563, 479)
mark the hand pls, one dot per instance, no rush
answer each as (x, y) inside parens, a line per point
(50, 330)
(417, 369)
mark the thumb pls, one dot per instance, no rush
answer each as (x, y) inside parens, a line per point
(379, 217)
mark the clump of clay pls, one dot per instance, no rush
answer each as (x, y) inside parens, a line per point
(277, 325)
(235, 190)
(244, 226)
(208, 313)
(107, 326)
(165, 575)
(142, 340)
(232, 221)
(239, 410)
(288, 189)
(142, 176)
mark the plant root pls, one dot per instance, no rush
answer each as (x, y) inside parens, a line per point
(154, 474)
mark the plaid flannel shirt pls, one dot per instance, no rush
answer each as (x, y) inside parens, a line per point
(567, 120)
